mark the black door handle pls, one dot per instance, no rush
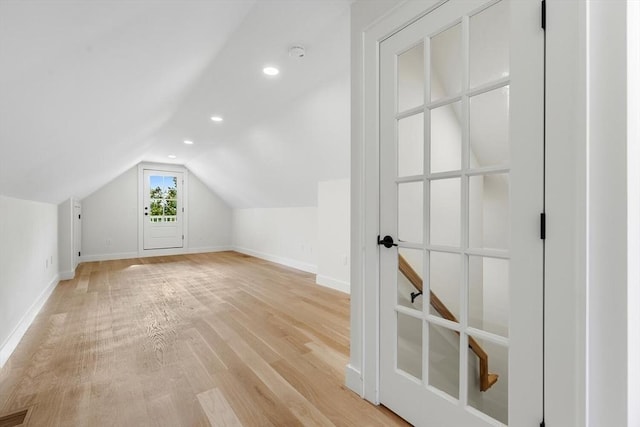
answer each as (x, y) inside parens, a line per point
(387, 241)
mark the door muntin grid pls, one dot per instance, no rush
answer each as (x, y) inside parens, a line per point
(450, 193)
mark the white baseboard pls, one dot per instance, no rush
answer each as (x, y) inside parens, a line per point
(67, 275)
(209, 249)
(329, 282)
(18, 332)
(353, 380)
(180, 251)
(109, 257)
(152, 253)
(298, 265)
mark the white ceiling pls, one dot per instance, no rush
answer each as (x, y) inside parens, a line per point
(88, 89)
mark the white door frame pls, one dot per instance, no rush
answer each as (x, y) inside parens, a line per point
(185, 203)
(366, 252)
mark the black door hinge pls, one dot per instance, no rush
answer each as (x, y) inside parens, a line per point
(543, 17)
(78, 253)
(79, 216)
(543, 226)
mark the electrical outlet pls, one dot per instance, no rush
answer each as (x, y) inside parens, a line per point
(108, 242)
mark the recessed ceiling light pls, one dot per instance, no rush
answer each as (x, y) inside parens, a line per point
(186, 141)
(216, 118)
(172, 156)
(271, 71)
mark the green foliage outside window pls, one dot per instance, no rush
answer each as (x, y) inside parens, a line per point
(156, 193)
(171, 208)
(156, 207)
(165, 203)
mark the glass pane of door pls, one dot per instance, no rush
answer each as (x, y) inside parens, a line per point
(409, 350)
(444, 212)
(410, 145)
(489, 128)
(446, 63)
(156, 195)
(410, 212)
(410, 273)
(444, 284)
(489, 294)
(411, 78)
(489, 221)
(489, 44)
(446, 138)
(444, 356)
(495, 401)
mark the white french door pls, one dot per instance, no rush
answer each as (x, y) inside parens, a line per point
(461, 193)
(163, 209)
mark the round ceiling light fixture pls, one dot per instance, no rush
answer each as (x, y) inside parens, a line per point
(172, 156)
(271, 71)
(186, 141)
(216, 119)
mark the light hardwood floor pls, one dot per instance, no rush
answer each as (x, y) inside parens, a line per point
(193, 340)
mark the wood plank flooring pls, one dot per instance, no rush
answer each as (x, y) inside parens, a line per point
(193, 340)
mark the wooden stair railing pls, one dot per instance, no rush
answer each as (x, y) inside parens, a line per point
(486, 379)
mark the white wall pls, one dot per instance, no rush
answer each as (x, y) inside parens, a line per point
(110, 222)
(334, 230)
(278, 161)
(28, 265)
(633, 209)
(607, 285)
(312, 239)
(209, 219)
(110, 219)
(287, 236)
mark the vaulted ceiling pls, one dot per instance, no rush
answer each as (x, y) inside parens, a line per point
(89, 89)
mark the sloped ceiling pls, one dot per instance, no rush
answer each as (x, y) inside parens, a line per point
(90, 88)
